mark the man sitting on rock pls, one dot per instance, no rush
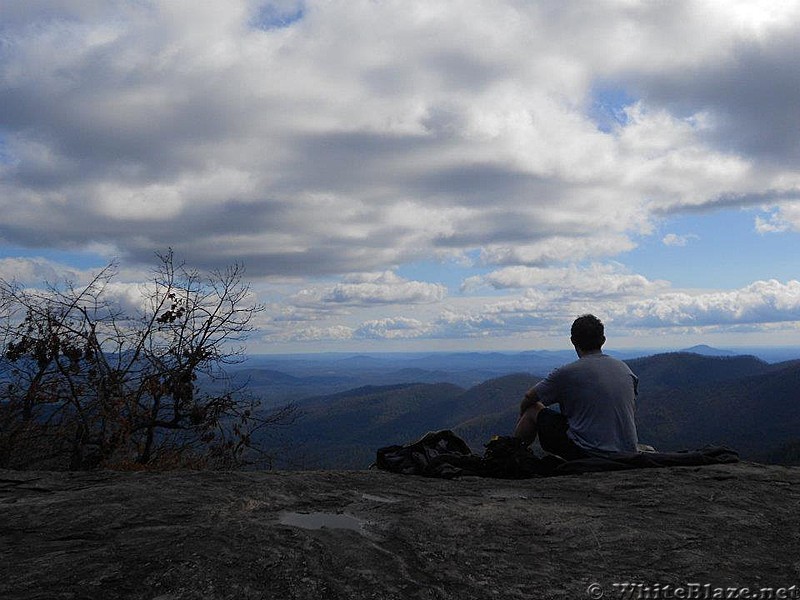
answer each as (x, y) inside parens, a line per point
(596, 395)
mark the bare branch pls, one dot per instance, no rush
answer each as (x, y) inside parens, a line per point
(91, 386)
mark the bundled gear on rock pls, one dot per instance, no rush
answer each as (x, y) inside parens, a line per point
(443, 454)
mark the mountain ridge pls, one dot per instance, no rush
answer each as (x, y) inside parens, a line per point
(706, 350)
(686, 401)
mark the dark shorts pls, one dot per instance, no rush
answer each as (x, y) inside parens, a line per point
(552, 428)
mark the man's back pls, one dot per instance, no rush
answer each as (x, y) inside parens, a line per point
(597, 394)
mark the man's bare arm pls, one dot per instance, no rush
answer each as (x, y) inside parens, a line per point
(529, 400)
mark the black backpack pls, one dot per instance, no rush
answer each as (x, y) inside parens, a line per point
(444, 454)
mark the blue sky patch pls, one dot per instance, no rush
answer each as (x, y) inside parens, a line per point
(76, 259)
(726, 252)
(5, 153)
(607, 107)
(278, 16)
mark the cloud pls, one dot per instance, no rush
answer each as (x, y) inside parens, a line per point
(36, 271)
(124, 291)
(594, 281)
(335, 333)
(760, 302)
(781, 218)
(748, 86)
(385, 288)
(391, 328)
(534, 312)
(323, 138)
(674, 239)
(637, 307)
(545, 312)
(556, 249)
(366, 289)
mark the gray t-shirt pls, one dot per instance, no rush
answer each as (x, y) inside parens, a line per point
(597, 394)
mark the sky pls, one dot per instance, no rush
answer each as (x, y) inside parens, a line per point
(416, 175)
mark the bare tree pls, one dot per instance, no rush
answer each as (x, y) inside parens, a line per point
(86, 384)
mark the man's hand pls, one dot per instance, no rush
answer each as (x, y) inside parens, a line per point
(529, 400)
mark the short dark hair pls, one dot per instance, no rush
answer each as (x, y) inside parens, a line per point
(588, 333)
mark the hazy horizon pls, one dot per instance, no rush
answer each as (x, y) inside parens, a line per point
(766, 353)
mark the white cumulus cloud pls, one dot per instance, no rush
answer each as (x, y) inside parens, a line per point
(674, 239)
(760, 302)
(594, 281)
(371, 289)
(781, 218)
(392, 328)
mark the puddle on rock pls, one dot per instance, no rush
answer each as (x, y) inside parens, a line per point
(321, 520)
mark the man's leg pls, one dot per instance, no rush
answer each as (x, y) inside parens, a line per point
(526, 426)
(552, 427)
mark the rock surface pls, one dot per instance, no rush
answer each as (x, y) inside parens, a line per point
(218, 535)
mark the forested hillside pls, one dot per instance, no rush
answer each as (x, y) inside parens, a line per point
(686, 401)
(343, 430)
(753, 413)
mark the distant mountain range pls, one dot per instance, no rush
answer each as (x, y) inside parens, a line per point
(705, 350)
(687, 400)
(280, 379)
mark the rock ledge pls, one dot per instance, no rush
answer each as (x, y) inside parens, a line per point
(367, 534)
